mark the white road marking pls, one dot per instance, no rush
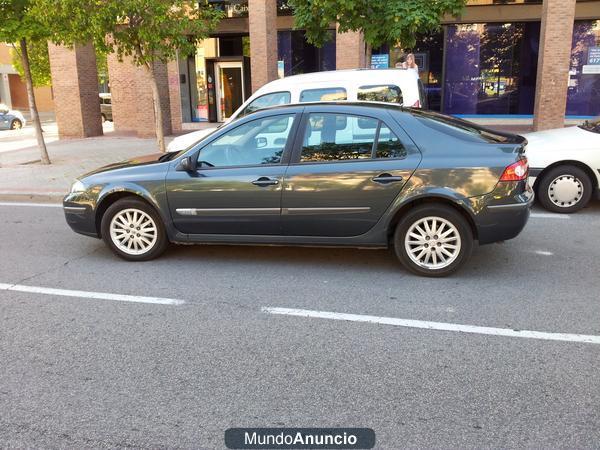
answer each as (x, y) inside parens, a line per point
(440, 326)
(543, 253)
(549, 216)
(43, 205)
(90, 294)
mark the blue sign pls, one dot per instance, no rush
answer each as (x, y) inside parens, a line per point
(380, 61)
(594, 56)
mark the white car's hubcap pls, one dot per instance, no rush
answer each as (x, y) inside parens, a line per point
(432, 242)
(565, 191)
(133, 231)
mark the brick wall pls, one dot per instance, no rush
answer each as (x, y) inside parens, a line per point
(553, 63)
(75, 87)
(349, 50)
(262, 24)
(131, 91)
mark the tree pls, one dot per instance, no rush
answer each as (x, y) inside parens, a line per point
(18, 24)
(380, 21)
(39, 62)
(147, 31)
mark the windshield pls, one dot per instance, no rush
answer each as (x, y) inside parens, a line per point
(591, 125)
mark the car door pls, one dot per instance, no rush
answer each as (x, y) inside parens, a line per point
(236, 186)
(346, 170)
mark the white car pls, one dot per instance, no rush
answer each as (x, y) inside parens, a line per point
(401, 86)
(565, 166)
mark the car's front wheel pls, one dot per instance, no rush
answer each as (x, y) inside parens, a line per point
(16, 124)
(133, 230)
(565, 189)
(433, 240)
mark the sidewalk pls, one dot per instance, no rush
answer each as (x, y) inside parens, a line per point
(22, 177)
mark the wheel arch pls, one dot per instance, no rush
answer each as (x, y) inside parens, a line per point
(567, 162)
(440, 200)
(110, 199)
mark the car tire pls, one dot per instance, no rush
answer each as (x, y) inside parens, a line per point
(565, 189)
(16, 124)
(133, 230)
(417, 234)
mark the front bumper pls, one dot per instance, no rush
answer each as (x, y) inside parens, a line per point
(505, 212)
(80, 214)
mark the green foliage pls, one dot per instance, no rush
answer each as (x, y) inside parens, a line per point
(39, 62)
(17, 21)
(145, 30)
(381, 21)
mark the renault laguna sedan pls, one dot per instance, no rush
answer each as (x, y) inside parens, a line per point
(323, 174)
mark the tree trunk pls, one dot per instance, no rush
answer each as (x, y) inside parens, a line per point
(158, 117)
(368, 53)
(35, 118)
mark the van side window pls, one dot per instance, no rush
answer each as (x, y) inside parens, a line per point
(323, 95)
(264, 101)
(382, 93)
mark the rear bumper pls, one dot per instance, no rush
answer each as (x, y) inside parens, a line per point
(500, 221)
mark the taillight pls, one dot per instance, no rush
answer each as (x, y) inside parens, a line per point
(516, 171)
(417, 104)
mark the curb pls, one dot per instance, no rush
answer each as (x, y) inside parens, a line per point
(34, 197)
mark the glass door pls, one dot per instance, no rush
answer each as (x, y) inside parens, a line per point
(229, 87)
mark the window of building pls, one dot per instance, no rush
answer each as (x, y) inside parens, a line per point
(583, 97)
(383, 93)
(296, 55)
(323, 95)
(256, 142)
(264, 101)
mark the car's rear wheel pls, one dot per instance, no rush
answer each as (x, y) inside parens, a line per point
(133, 230)
(16, 124)
(433, 240)
(565, 189)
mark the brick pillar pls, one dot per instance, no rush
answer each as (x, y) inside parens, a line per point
(553, 64)
(175, 95)
(75, 88)
(349, 50)
(262, 22)
(133, 109)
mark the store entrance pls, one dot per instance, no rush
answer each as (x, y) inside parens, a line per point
(229, 86)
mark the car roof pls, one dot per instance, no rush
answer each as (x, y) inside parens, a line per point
(370, 75)
(341, 104)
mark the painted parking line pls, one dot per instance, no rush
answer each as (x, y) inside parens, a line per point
(438, 326)
(90, 294)
(548, 216)
(42, 205)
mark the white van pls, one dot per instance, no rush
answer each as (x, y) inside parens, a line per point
(400, 86)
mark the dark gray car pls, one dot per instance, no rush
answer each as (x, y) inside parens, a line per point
(327, 174)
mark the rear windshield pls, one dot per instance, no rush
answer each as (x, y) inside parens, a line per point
(591, 125)
(461, 129)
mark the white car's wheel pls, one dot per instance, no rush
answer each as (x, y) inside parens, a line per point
(565, 189)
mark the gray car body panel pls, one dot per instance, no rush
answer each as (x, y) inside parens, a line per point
(312, 203)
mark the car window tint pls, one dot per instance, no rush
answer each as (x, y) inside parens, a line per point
(264, 101)
(388, 144)
(257, 142)
(323, 95)
(338, 137)
(383, 93)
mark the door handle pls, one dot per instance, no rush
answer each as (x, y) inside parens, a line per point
(385, 178)
(265, 181)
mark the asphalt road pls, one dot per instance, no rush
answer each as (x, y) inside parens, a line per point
(79, 372)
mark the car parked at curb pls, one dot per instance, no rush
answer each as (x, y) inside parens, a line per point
(398, 86)
(565, 166)
(11, 119)
(319, 174)
(106, 107)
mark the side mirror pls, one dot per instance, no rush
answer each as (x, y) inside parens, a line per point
(187, 164)
(261, 142)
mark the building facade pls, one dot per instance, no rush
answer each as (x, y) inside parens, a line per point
(507, 59)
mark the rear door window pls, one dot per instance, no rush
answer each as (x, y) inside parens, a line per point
(323, 95)
(380, 93)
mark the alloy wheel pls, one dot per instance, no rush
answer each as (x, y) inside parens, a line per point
(133, 231)
(432, 242)
(565, 191)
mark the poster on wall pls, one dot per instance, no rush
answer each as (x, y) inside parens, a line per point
(280, 69)
(593, 62)
(380, 61)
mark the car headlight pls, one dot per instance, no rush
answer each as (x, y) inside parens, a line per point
(77, 186)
